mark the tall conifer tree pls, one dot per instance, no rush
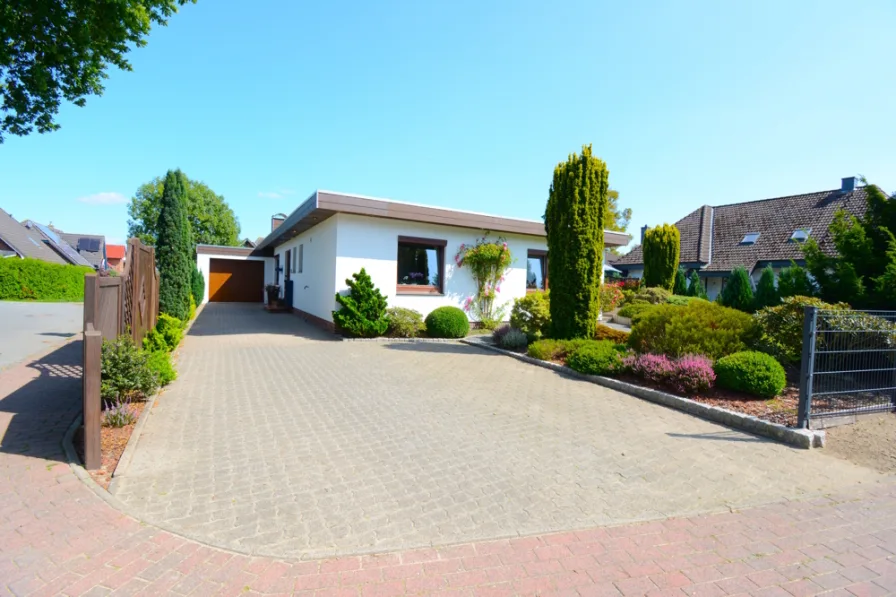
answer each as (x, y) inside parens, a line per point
(174, 250)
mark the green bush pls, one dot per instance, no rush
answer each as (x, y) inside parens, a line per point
(605, 332)
(363, 309)
(681, 283)
(752, 372)
(192, 309)
(447, 322)
(652, 296)
(738, 291)
(404, 323)
(532, 315)
(780, 329)
(795, 281)
(559, 350)
(159, 362)
(513, 339)
(695, 286)
(661, 248)
(634, 309)
(36, 280)
(126, 374)
(153, 341)
(766, 291)
(171, 329)
(197, 287)
(595, 358)
(682, 300)
(698, 328)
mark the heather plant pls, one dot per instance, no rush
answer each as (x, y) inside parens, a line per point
(532, 315)
(513, 340)
(655, 368)
(119, 414)
(688, 374)
(363, 309)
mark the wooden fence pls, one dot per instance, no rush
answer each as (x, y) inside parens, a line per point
(114, 306)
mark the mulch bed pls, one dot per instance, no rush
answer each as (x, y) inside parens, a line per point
(112, 443)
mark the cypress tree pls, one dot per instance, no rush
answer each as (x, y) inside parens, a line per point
(738, 292)
(661, 247)
(681, 283)
(174, 249)
(766, 291)
(695, 286)
(574, 220)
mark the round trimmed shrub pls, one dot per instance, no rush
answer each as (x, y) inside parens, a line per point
(447, 322)
(751, 372)
(595, 358)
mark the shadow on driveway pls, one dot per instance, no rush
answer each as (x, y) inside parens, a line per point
(232, 319)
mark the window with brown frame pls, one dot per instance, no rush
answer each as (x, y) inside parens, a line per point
(536, 270)
(421, 265)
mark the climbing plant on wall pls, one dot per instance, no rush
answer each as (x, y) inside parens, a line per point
(488, 261)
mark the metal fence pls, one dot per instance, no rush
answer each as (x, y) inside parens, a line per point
(848, 363)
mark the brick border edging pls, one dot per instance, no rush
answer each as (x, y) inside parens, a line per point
(798, 438)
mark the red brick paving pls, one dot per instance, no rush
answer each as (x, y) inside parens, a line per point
(59, 538)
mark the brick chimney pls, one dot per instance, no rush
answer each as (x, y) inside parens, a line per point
(276, 220)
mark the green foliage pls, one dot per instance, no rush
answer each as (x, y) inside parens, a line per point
(682, 300)
(125, 372)
(610, 296)
(488, 262)
(661, 247)
(597, 358)
(795, 281)
(174, 250)
(159, 362)
(698, 328)
(153, 341)
(119, 415)
(171, 329)
(59, 50)
(574, 220)
(695, 286)
(605, 332)
(680, 287)
(766, 291)
(556, 350)
(532, 314)
(363, 309)
(865, 252)
(212, 221)
(192, 308)
(633, 309)
(653, 296)
(404, 323)
(197, 287)
(33, 279)
(513, 339)
(738, 292)
(617, 219)
(447, 322)
(751, 372)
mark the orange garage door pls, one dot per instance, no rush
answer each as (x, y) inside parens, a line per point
(232, 281)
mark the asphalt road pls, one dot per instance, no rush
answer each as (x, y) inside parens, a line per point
(28, 329)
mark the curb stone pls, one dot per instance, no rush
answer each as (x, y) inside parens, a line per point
(385, 340)
(798, 438)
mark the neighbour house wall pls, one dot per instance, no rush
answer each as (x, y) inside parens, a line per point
(203, 262)
(314, 289)
(372, 243)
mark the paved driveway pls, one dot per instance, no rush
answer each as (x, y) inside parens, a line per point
(29, 329)
(278, 440)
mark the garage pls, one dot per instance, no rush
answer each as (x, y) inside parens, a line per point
(235, 281)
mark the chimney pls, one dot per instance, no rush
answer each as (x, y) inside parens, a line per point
(643, 231)
(276, 220)
(848, 185)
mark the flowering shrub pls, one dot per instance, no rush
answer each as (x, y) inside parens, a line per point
(610, 295)
(513, 340)
(488, 262)
(119, 415)
(687, 374)
(500, 332)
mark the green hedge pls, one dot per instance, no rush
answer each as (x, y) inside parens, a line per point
(36, 280)
(752, 372)
(447, 322)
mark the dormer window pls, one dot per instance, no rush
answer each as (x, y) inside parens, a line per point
(800, 235)
(750, 238)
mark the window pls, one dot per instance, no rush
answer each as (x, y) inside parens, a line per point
(801, 235)
(301, 258)
(293, 260)
(536, 270)
(421, 265)
(750, 238)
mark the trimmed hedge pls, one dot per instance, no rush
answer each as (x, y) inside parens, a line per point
(752, 372)
(36, 280)
(596, 358)
(447, 322)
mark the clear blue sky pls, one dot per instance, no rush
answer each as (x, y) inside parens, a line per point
(470, 104)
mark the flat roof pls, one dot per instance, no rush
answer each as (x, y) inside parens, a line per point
(321, 205)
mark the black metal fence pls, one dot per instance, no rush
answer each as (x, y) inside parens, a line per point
(848, 364)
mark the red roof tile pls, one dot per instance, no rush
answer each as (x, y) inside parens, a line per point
(115, 251)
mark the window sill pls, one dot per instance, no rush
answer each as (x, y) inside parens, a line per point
(534, 290)
(418, 291)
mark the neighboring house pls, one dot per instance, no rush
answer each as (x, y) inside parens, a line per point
(248, 243)
(407, 249)
(115, 257)
(755, 234)
(21, 240)
(91, 247)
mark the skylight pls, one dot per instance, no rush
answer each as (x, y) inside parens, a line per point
(750, 238)
(801, 235)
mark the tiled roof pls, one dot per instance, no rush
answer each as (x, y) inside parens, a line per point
(712, 236)
(25, 242)
(115, 251)
(95, 258)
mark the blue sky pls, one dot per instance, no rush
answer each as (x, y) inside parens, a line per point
(470, 104)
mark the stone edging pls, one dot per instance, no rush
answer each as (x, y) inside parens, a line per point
(799, 438)
(385, 340)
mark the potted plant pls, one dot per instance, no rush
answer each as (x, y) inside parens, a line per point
(273, 292)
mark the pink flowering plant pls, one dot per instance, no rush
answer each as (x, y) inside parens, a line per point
(688, 374)
(488, 261)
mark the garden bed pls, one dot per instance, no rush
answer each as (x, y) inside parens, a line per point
(113, 442)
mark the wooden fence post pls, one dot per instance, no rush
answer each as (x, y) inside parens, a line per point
(92, 402)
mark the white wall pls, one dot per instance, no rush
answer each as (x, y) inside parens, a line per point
(372, 243)
(203, 262)
(314, 289)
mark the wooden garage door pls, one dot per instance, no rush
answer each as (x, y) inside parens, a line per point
(232, 281)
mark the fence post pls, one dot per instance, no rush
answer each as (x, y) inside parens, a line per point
(807, 366)
(92, 407)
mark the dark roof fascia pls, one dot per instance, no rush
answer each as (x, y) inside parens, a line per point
(779, 263)
(266, 246)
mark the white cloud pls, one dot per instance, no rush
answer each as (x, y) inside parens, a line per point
(108, 198)
(278, 194)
